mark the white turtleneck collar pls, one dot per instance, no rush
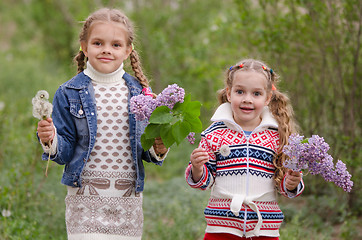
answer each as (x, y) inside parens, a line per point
(224, 113)
(104, 78)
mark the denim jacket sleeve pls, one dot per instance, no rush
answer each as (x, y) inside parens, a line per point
(66, 129)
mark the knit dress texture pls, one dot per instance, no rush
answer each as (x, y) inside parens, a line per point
(107, 206)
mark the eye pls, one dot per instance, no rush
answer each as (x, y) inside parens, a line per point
(239, 91)
(257, 93)
(116, 45)
(97, 43)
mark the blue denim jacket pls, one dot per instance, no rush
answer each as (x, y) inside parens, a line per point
(77, 130)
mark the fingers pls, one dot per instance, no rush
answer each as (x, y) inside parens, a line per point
(292, 179)
(159, 147)
(46, 130)
(199, 157)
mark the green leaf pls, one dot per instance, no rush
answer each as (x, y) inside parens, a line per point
(195, 124)
(153, 130)
(193, 109)
(161, 115)
(166, 135)
(146, 142)
(180, 130)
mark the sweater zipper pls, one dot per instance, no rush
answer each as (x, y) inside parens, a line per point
(247, 180)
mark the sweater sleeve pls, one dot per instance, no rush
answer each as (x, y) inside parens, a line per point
(291, 194)
(208, 176)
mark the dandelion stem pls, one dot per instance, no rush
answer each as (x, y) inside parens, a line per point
(46, 170)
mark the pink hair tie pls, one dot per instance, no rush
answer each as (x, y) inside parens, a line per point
(147, 92)
(273, 87)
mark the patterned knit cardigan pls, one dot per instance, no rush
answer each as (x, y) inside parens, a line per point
(243, 194)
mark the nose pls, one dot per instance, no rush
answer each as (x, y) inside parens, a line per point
(247, 98)
(106, 50)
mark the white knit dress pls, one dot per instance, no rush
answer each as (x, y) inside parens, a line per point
(106, 207)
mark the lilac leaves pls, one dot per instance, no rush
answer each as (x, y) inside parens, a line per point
(171, 116)
(311, 154)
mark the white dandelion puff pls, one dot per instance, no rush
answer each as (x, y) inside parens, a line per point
(42, 108)
(2, 106)
(6, 213)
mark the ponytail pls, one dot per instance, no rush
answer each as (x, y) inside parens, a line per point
(222, 96)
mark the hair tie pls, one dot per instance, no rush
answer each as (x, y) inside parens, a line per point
(80, 49)
(147, 92)
(132, 46)
(273, 87)
(240, 66)
(271, 71)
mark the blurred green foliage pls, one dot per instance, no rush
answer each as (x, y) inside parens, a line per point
(314, 45)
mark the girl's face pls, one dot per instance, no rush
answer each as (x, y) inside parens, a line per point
(106, 47)
(248, 96)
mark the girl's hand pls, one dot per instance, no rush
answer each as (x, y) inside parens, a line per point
(292, 179)
(198, 158)
(46, 130)
(159, 147)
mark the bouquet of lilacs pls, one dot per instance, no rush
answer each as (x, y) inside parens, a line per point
(170, 115)
(42, 109)
(311, 154)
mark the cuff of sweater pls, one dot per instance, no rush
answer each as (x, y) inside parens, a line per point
(158, 157)
(52, 147)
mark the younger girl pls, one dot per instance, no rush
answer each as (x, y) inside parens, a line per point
(97, 138)
(240, 158)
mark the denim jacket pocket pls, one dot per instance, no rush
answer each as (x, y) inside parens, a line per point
(76, 109)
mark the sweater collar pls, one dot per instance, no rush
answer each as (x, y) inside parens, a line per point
(224, 113)
(104, 78)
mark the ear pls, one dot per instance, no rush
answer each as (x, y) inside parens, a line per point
(129, 50)
(228, 94)
(84, 48)
(268, 98)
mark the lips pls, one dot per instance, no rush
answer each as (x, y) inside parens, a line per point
(246, 109)
(104, 59)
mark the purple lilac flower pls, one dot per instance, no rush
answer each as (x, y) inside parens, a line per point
(343, 178)
(191, 138)
(142, 106)
(170, 96)
(312, 155)
(294, 150)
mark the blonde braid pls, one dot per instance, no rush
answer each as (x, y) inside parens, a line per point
(137, 69)
(80, 59)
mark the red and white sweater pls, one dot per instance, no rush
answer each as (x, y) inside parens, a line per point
(243, 193)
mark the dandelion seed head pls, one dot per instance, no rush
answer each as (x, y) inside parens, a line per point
(6, 213)
(42, 108)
